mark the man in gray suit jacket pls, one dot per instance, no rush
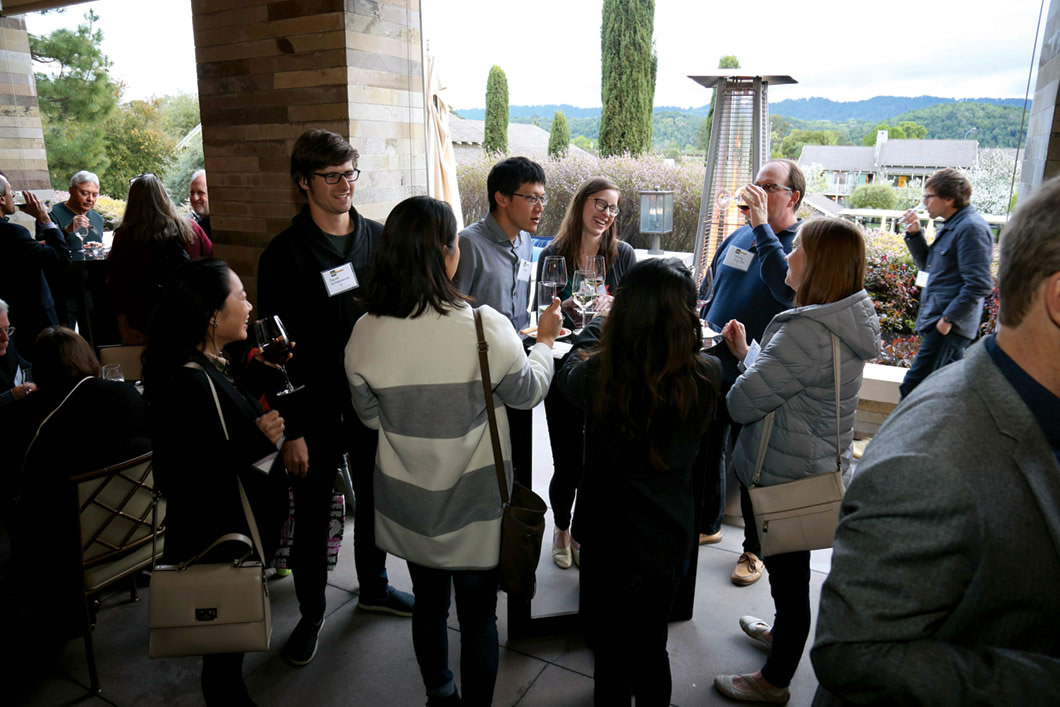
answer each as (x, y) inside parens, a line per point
(946, 564)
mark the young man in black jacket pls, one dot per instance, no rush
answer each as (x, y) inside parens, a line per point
(310, 275)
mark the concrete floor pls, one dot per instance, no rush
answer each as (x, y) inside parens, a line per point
(367, 659)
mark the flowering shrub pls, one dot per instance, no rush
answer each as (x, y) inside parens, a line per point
(899, 351)
(112, 210)
(631, 174)
(890, 281)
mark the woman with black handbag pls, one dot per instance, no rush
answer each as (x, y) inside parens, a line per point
(796, 400)
(648, 394)
(413, 366)
(208, 432)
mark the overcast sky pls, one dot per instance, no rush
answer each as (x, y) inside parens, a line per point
(550, 49)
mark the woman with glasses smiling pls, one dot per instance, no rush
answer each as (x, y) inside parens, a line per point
(150, 243)
(588, 229)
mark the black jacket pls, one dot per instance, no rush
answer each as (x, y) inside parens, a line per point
(23, 261)
(290, 285)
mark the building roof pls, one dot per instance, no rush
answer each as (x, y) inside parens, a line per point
(523, 138)
(822, 204)
(841, 158)
(928, 153)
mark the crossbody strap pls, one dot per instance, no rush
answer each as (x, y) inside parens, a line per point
(487, 391)
(36, 434)
(835, 369)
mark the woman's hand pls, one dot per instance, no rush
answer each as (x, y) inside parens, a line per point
(735, 336)
(295, 456)
(271, 425)
(549, 324)
(603, 304)
(260, 357)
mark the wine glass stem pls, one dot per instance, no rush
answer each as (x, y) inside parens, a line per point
(288, 388)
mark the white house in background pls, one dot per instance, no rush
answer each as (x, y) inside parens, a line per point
(903, 162)
(524, 139)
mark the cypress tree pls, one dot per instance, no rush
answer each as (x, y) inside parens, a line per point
(628, 80)
(495, 137)
(558, 136)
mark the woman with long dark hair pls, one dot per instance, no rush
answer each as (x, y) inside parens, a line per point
(588, 229)
(203, 444)
(648, 394)
(413, 366)
(150, 243)
(793, 377)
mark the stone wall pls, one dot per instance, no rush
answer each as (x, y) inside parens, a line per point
(1041, 156)
(22, 155)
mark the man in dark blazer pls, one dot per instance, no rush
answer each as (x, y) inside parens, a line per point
(956, 267)
(943, 588)
(23, 261)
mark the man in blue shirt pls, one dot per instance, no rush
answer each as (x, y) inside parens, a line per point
(958, 267)
(748, 276)
(932, 598)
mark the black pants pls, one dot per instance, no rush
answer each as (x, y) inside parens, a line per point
(521, 432)
(566, 434)
(312, 510)
(629, 645)
(789, 583)
(222, 680)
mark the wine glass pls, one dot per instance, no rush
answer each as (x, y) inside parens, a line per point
(584, 291)
(596, 264)
(81, 233)
(271, 338)
(113, 372)
(706, 292)
(553, 280)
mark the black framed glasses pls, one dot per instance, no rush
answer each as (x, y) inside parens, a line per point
(770, 188)
(929, 196)
(534, 199)
(603, 206)
(334, 177)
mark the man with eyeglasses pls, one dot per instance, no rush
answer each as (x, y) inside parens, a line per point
(956, 267)
(309, 275)
(496, 253)
(748, 271)
(14, 370)
(23, 261)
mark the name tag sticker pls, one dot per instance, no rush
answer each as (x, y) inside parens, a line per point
(339, 280)
(738, 258)
(524, 270)
(922, 278)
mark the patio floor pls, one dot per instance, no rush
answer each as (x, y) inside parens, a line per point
(367, 659)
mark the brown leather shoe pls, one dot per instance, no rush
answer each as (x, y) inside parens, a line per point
(748, 570)
(705, 539)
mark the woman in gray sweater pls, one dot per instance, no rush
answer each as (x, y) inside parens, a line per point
(792, 376)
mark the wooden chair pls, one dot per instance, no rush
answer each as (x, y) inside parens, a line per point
(128, 356)
(119, 536)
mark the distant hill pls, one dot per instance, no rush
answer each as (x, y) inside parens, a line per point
(876, 109)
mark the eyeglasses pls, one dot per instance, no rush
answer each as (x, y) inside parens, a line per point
(770, 188)
(334, 177)
(9, 330)
(929, 196)
(602, 206)
(534, 199)
(145, 174)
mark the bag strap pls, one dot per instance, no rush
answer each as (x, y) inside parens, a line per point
(767, 430)
(835, 370)
(487, 390)
(36, 434)
(247, 511)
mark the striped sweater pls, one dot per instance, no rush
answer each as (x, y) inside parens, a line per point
(418, 382)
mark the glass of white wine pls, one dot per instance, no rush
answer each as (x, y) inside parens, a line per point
(584, 291)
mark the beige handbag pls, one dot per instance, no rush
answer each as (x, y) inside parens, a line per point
(200, 608)
(799, 515)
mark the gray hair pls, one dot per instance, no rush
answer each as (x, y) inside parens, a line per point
(4, 309)
(196, 174)
(82, 177)
(1030, 251)
(4, 182)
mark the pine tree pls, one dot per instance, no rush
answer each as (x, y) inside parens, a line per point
(495, 137)
(628, 77)
(558, 136)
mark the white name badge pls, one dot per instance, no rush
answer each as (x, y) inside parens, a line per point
(524, 270)
(340, 279)
(922, 278)
(738, 258)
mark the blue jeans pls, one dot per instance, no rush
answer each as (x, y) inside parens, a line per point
(935, 352)
(476, 609)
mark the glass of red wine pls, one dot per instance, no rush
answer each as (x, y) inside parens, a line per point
(271, 338)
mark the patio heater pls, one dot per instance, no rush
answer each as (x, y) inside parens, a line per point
(739, 145)
(656, 217)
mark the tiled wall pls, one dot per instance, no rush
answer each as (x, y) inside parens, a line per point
(22, 155)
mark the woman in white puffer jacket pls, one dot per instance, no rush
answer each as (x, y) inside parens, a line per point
(792, 376)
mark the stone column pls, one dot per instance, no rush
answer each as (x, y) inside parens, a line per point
(271, 69)
(1041, 153)
(21, 135)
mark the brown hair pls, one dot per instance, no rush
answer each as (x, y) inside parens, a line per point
(835, 261)
(150, 215)
(568, 240)
(1030, 251)
(796, 178)
(950, 183)
(61, 358)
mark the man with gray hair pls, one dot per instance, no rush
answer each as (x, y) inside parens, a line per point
(946, 561)
(199, 200)
(76, 217)
(14, 370)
